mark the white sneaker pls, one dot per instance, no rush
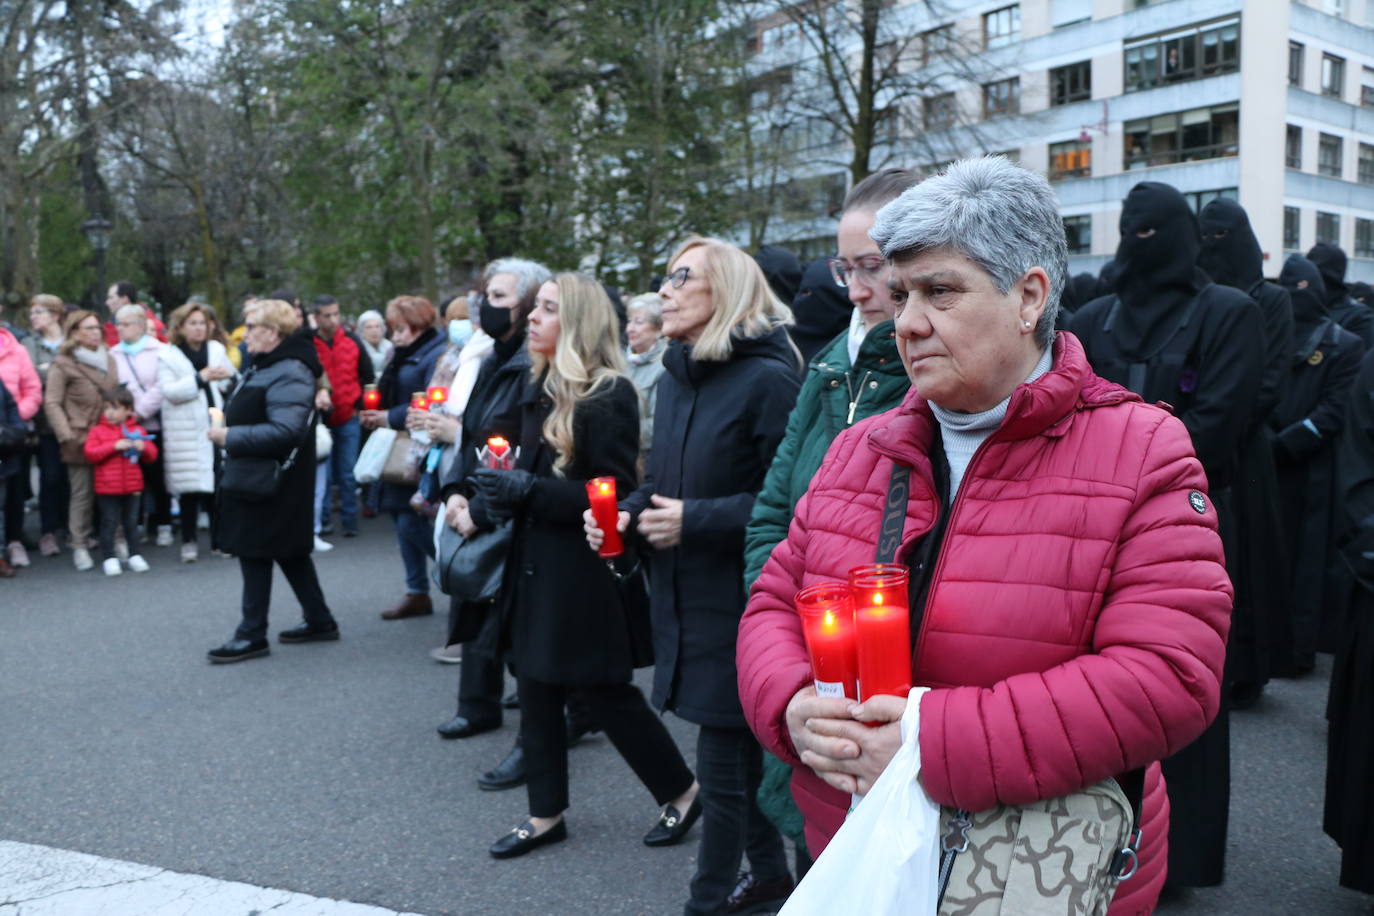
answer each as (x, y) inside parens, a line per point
(111, 567)
(322, 546)
(138, 564)
(121, 549)
(164, 535)
(18, 555)
(189, 553)
(81, 559)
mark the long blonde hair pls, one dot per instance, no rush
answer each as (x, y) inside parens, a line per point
(742, 303)
(586, 358)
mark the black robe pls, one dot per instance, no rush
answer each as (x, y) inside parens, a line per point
(1307, 425)
(1231, 255)
(1350, 706)
(1171, 335)
(1354, 316)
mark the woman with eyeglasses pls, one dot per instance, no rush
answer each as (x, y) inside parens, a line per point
(730, 378)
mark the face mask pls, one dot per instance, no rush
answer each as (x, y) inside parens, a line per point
(459, 330)
(494, 321)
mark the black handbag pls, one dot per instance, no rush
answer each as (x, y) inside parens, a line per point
(258, 479)
(13, 440)
(471, 568)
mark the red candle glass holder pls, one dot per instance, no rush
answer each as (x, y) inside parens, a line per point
(601, 495)
(372, 398)
(498, 454)
(419, 400)
(882, 624)
(827, 615)
(437, 394)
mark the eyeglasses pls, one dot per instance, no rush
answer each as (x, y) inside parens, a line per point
(865, 269)
(679, 277)
(249, 325)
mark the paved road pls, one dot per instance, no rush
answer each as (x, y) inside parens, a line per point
(317, 770)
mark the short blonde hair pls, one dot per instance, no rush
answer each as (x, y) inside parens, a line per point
(280, 316)
(742, 303)
(50, 304)
(181, 314)
(132, 310)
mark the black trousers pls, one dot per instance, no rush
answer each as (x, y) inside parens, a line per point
(619, 709)
(116, 511)
(257, 594)
(155, 485)
(730, 768)
(192, 504)
(482, 675)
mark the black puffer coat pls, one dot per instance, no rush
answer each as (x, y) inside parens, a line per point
(267, 416)
(716, 426)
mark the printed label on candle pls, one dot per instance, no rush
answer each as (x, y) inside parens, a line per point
(829, 689)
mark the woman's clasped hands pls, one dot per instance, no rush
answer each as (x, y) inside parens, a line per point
(660, 524)
(832, 736)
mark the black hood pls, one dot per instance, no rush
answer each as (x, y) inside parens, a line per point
(1362, 293)
(1157, 274)
(679, 362)
(1078, 292)
(821, 309)
(1304, 284)
(1106, 279)
(1330, 260)
(1230, 252)
(297, 345)
(782, 269)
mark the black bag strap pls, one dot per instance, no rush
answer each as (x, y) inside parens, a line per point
(290, 460)
(894, 514)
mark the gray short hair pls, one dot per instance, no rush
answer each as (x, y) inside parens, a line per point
(651, 304)
(132, 310)
(371, 315)
(1002, 217)
(529, 275)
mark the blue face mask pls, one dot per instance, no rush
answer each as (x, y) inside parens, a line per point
(459, 331)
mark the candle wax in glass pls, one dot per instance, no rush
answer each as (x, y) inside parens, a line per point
(884, 649)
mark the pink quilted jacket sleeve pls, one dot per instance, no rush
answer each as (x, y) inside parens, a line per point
(1151, 685)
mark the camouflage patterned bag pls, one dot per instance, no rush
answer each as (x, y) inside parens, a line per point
(1058, 857)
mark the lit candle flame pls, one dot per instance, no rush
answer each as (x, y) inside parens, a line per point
(604, 487)
(877, 598)
(828, 621)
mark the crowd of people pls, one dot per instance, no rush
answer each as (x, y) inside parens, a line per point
(1131, 500)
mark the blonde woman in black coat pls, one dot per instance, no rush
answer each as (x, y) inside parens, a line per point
(570, 630)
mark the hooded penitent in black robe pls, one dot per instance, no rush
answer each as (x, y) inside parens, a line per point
(781, 269)
(1362, 293)
(822, 310)
(1308, 424)
(1231, 256)
(1170, 334)
(1354, 316)
(1350, 707)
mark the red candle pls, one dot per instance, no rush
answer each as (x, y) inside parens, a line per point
(419, 401)
(601, 495)
(498, 454)
(437, 394)
(883, 628)
(827, 613)
(372, 398)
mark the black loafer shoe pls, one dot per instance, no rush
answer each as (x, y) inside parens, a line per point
(672, 825)
(522, 840)
(507, 774)
(462, 727)
(238, 650)
(511, 700)
(752, 895)
(307, 633)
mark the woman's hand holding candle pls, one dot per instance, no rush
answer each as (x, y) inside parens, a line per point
(601, 496)
(869, 740)
(595, 536)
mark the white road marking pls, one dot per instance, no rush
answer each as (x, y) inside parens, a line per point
(42, 881)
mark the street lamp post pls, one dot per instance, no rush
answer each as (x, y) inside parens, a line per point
(97, 232)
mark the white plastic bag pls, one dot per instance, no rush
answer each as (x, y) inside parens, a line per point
(885, 859)
(372, 458)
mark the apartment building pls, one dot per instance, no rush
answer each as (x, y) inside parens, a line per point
(1267, 101)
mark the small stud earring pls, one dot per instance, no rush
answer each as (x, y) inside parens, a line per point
(1025, 324)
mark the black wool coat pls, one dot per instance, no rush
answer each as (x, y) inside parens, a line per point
(269, 414)
(566, 619)
(716, 427)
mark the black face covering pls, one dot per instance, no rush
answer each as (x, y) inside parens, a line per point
(1156, 267)
(1309, 300)
(495, 322)
(1330, 260)
(1230, 252)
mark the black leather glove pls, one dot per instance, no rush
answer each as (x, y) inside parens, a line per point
(502, 491)
(481, 515)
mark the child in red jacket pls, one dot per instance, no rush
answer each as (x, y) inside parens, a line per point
(115, 446)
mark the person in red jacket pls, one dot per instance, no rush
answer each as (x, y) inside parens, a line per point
(1070, 603)
(349, 368)
(116, 446)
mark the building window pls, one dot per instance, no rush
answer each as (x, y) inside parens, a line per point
(1073, 83)
(1333, 75)
(936, 42)
(1199, 199)
(1329, 150)
(1002, 98)
(1204, 51)
(1078, 232)
(1071, 159)
(1367, 83)
(939, 111)
(1364, 238)
(1295, 64)
(1001, 27)
(1329, 228)
(1186, 136)
(1292, 150)
(1291, 217)
(1364, 169)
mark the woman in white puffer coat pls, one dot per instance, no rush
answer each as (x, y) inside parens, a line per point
(195, 374)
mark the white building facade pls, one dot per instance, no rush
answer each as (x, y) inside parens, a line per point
(1267, 101)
